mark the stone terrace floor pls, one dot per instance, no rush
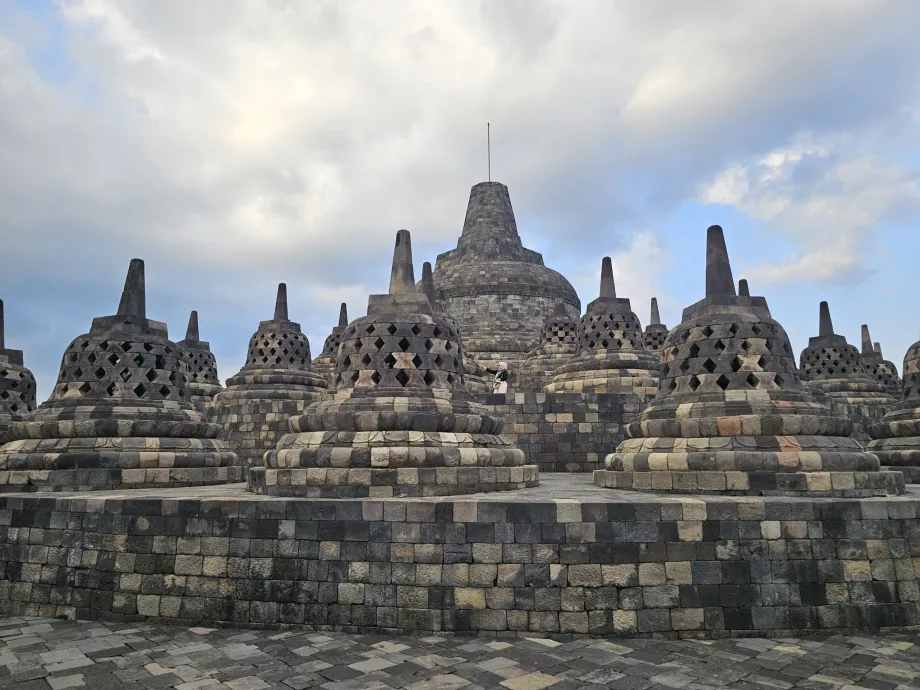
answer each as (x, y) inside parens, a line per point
(43, 653)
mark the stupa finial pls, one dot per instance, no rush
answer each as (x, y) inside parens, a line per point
(133, 305)
(428, 282)
(191, 333)
(825, 325)
(719, 279)
(743, 289)
(878, 349)
(402, 277)
(559, 309)
(343, 315)
(608, 289)
(655, 319)
(2, 337)
(281, 303)
(866, 340)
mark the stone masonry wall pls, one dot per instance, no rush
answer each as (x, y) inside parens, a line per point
(565, 432)
(632, 564)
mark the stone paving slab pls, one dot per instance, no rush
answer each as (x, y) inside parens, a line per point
(50, 653)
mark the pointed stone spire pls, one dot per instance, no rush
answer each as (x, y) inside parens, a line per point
(281, 304)
(743, 290)
(878, 349)
(559, 311)
(655, 319)
(402, 276)
(343, 315)
(2, 326)
(608, 289)
(191, 333)
(866, 341)
(428, 282)
(133, 305)
(825, 325)
(719, 279)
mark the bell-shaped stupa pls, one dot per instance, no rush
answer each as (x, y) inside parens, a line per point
(17, 385)
(558, 345)
(203, 383)
(611, 348)
(732, 416)
(499, 291)
(401, 422)
(656, 332)
(879, 368)
(275, 384)
(896, 438)
(324, 365)
(836, 367)
(120, 415)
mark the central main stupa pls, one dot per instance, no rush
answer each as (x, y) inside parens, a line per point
(499, 292)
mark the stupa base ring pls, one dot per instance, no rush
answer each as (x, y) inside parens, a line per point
(117, 479)
(321, 482)
(738, 483)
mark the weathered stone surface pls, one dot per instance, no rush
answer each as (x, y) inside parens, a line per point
(324, 365)
(611, 354)
(401, 421)
(17, 385)
(275, 384)
(558, 345)
(500, 292)
(896, 438)
(120, 414)
(656, 332)
(881, 369)
(831, 364)
(732, 416)
(204, 383)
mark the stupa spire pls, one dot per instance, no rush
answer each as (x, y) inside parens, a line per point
(343, 315)
(743, 289)
(825, 325)
(719, 279)
(428, 282)
(559, 310)
(608, 289)
(133, 305)
(2, 338)
(402, 275)
(191, 333)
(878, 349)
(866, 341)
(281, 303)
(655, 319)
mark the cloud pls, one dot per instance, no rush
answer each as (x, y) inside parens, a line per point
(237, 143)
(827, 197)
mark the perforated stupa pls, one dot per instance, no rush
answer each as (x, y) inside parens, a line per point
(732, 416)
(401, 422)
(558, 345)
(656, 332)
(17, 385)
(611, 354)
(324, 365)
(896, 438)
(836, 367)
(879, 368)
(120, 415)
(275, 384)
(203, 383)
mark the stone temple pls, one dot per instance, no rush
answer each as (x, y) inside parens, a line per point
(896, 438)
(120, 415)
(17, 385)
(204, 383)
(879, 368)
(656, 332)
(275, 384)
(499, 292)
(831, 364)
(324, 365)
(732, 416)
(401, 422)
(558, 345)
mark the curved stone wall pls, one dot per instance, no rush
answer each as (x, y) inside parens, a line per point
(562, 558)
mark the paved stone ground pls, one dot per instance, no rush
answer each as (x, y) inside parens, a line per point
(48, 653)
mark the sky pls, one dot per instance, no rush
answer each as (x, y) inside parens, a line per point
(235, 144)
